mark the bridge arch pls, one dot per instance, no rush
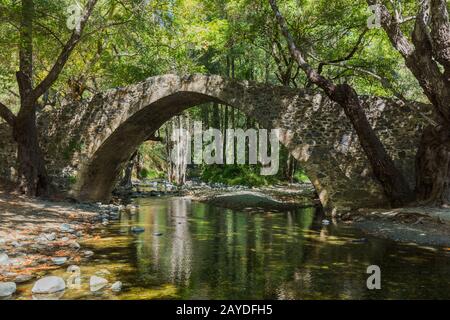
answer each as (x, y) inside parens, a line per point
(108, 129)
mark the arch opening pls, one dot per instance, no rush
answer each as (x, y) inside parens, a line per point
(98, 178)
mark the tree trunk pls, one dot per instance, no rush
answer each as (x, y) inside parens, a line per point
(394, 184)
(126, 180)
(433, 167)
(32, 174)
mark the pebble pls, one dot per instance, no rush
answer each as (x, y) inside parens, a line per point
(137, 229)
(22, 278)
(88, 253)
(50, 236)
(4, 259)
(49, 285)
(7, 289)
(157, 234)
(66, 228)
(59, 261)
(117, 286)
(75, 245)
(16, 244)
(97, 283)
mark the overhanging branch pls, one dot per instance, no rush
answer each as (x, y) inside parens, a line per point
(7, 115)
(65, 53)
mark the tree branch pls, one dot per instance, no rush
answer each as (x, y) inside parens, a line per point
(392, 28)
(419, 57)
(348, 56)
(7, 115)
(65, 53)
(299, 56)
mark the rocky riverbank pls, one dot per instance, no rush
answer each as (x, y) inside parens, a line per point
(38, 236)
(418, 225)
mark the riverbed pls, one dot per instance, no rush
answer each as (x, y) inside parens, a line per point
(192, 250)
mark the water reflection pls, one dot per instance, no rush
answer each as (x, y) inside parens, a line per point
(206, 252)
(195, 251)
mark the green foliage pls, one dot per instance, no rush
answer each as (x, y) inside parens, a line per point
(151, 174)
(235, 175)
(300, 176)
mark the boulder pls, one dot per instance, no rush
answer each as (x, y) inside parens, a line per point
(49, 285)
(7, 289)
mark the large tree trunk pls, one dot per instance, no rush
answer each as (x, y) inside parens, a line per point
(394, 184)
(391, 179)
(433, 167)
(32, 175)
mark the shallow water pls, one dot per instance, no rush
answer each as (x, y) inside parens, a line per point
(191, 250)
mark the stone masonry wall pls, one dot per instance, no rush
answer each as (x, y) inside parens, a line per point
(92, 141)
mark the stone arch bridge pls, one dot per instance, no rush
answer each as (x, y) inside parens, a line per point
(94, 140)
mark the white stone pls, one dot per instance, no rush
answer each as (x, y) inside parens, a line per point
(97, 283)
(59, 260)
(117, 286)
(88, 253)
(4, 259)
(75, 245)
(23, 278)
(66, 228)
(50, 236)
(49, 285)
(7, 289)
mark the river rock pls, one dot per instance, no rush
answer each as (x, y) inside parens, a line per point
(88, 253)
(66, 228)
(97, 283)
(7, 289)
(249, 200)
(137, 229)
(117, 286)
(75, 246)
(22, 278)
(4, 259)
(59, 261)
(16, 244)
(50, 236)
(49, 285)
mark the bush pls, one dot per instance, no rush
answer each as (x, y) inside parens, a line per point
(236, 175)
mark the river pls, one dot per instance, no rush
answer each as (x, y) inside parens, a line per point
(192, 250)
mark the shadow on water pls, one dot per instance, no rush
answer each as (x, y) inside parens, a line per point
(192, 250)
